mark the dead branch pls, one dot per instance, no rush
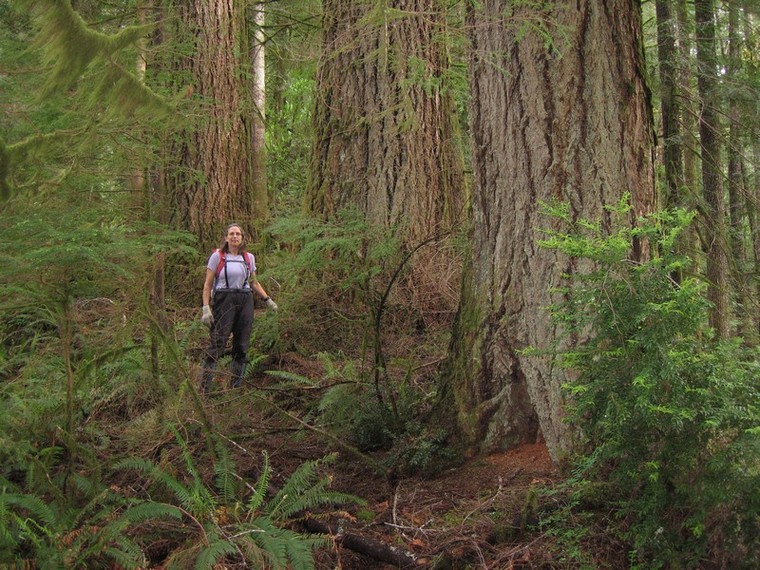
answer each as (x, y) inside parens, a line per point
(363, 545)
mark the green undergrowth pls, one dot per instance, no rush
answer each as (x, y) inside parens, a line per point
(668, 413)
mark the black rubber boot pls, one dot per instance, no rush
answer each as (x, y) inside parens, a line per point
(237, 369)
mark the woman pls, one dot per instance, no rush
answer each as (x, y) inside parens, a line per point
(231, 275)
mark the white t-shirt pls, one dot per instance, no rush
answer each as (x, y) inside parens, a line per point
(234, 273)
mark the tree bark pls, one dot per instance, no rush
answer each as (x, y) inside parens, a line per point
(212, 185)
(689, 106)
(386, 138)
(736, 187)
(568, 120)
(752, 200)
(669, 96)
(364, 545)
(714, 215)
(258, 143)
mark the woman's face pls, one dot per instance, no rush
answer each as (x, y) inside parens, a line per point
(234, 237)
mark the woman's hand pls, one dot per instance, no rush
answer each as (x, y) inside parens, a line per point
(207, 318)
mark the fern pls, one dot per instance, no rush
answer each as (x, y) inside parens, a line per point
(149, 510)
(284, 548)
(214, 552)
(273, 541)
(195, 499)
(304, 490)
(125, 553)
(226, 480)
(260, 489)
(34, 506)
(291, 377)
(253, 532)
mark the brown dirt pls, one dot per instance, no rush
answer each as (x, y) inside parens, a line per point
(472, 515)
(476, 515)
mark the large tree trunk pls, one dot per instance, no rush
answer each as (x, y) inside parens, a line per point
(568, 121)
(385, 128)
(215, 175)
(714, 234)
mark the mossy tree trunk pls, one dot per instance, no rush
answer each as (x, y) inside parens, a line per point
(714, 234)
(386, 137)
(669, 103)
(568, 120)
(213, 182)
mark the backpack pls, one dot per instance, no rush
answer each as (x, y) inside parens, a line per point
(222, 261)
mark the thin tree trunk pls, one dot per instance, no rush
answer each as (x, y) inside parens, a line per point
(714, 219)
(669, 101)
(569, 121)
(752, 207)
(736, 188)
(260, 192)
(688, 99)
(142, 187)
(753, 199)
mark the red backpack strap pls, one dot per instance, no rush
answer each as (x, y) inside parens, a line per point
(221, 261)
(249, 262)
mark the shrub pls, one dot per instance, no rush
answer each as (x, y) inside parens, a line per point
(669, 415)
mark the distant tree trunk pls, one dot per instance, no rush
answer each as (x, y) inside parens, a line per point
(568, 120)
(214, 177)
(671, 135)
(714, 219)
(736, 187)
(687, 89)
(753, 200)
(752, 206)
(142, 187)
(260, 193)
(385, 127)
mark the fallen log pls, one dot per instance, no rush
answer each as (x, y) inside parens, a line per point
(363, 545)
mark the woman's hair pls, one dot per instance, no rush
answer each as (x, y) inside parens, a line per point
(224, 246)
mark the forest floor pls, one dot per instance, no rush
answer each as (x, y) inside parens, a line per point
(483, 514)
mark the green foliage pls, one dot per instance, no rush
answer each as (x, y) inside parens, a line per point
(84, 113)
(61, 533)
(669, 416)
(337, 271)
(353, 411)
(69, 284)
(234, 520)
(70, 47)
(288, 141)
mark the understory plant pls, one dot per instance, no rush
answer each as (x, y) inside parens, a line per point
(348, 277)
(199, 525)
(669, 414)
(235, 520)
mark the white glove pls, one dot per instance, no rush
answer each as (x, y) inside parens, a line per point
(207, 318)
(271, 304)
